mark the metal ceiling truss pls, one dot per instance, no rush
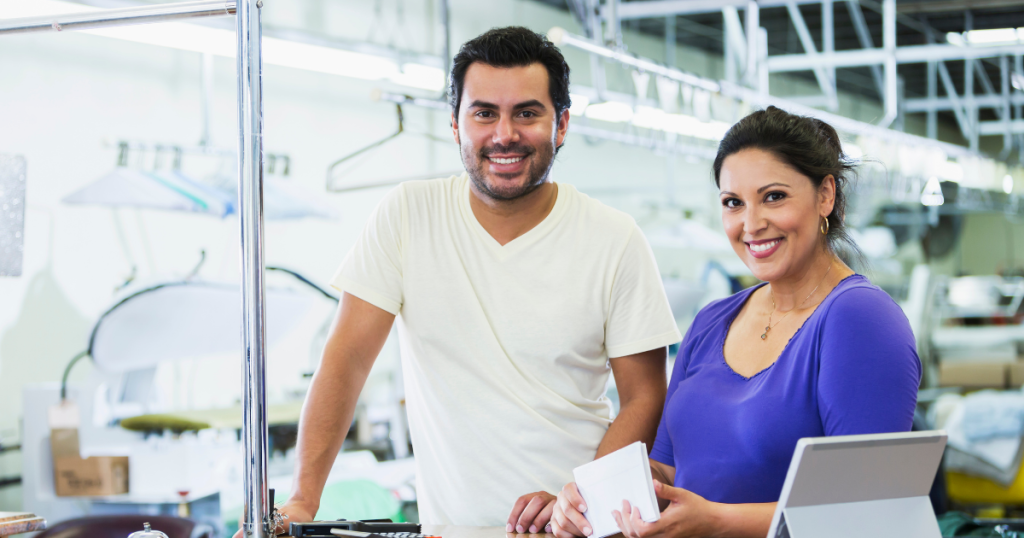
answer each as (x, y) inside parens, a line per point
(747, 62)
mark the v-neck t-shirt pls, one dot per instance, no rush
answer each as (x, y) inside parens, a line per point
(505, 348)
(852, 368)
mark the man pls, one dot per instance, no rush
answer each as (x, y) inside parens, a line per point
(512, 294)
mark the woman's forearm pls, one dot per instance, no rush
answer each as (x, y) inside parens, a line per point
(742, 520)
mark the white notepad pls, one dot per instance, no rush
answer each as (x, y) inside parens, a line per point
(604, 483)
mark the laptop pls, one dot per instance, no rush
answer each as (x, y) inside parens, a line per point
(861, 485)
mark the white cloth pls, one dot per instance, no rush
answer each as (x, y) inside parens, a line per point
(505, 348)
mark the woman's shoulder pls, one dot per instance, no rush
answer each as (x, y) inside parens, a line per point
(856, 299)
(856, 292)
(725, 307)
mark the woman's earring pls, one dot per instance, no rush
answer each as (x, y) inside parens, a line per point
(824, 226)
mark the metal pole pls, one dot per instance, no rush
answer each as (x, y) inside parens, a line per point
(256, 521)
(933, 118)
(118, 17)
(889, 44)
(753, 27)
(206, 81)
(828, 39)
(1004, 72)
(670, 41)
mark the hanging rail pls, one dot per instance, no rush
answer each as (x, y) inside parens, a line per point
(118, 17)
(256, 521)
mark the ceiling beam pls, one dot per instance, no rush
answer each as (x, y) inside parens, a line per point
(939, 6)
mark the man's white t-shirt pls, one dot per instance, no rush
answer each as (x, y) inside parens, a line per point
(505, 349)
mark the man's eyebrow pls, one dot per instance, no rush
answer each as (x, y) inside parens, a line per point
(532, 103)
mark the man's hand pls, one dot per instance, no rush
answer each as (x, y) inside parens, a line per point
(567, 519)
(290, 512)
(531, 513)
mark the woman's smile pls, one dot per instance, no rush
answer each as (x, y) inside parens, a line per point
(763, 248)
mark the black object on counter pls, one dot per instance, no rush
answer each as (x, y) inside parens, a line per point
(373, 526)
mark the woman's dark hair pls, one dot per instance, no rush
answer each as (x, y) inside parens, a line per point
(811, 147)
(512, 46)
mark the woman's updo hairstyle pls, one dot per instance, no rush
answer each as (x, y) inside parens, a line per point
(811, 147)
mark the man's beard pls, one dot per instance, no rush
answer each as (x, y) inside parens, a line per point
(476, 166)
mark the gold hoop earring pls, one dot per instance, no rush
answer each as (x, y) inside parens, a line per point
(824, 227)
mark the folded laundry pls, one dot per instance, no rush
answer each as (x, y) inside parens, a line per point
(970, 464)
(993, 414)
(1000, 452)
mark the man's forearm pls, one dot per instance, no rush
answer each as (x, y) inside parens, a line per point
(356, 339)
(325, 421)
(637, 421)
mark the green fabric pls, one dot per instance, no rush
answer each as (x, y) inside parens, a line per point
(348, 499)
(960, 524)
(159, 423)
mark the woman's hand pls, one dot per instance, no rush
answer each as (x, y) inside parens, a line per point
(687, 514)
(567, 518)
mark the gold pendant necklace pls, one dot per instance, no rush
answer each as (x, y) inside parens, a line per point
(768, 328)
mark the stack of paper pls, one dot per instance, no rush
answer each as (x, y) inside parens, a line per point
(604, 483)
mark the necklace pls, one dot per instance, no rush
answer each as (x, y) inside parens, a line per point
(768, 328)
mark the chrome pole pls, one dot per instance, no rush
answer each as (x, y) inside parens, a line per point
(118, 17)
(250, 203)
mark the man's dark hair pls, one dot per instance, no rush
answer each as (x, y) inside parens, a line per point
(512, 46)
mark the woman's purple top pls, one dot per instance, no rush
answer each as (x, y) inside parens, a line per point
(852, 368)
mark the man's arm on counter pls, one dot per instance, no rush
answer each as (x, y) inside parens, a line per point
(641, 383)
(356, 338)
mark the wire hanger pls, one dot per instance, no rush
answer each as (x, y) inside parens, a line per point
(338, 169)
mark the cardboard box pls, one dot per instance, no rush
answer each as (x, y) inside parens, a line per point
(75, 476)
(974, 374)
(97, 475)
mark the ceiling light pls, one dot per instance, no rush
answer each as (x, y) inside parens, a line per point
(931, 195)
(1017, 80)
(220, 42)
(996, 36)
(610, 111)
(956, 39)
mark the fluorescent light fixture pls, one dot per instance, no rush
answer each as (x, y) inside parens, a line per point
(949, 171)
(1007, 183)
(982, 38)
(650, 118)
(931, 195)
(691, 126)
(281, 52)
(579, 104)
(992, 37)
(655, 118)
(610, 111)
(955, 39)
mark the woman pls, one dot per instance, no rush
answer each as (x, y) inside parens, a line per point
(815, 351)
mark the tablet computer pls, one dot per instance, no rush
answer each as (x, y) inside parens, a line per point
(861, 485)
